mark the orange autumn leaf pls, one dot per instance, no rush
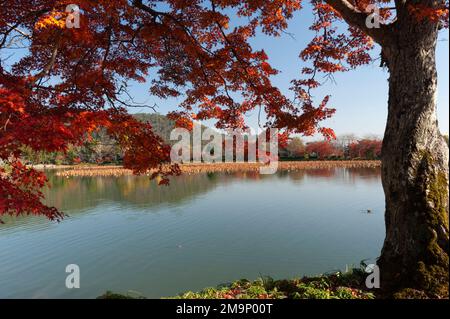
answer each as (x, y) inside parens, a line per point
(53, 19)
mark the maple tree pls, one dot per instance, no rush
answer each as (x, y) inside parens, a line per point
(369, 149)
(295, 147)
(72, 81)
(323, 150)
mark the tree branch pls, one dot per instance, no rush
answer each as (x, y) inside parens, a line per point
(358, 19)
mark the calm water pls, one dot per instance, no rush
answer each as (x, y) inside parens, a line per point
(127, 234)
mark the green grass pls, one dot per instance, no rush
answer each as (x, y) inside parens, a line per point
(350, 285)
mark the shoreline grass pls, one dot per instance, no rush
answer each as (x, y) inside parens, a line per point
(196, 168)
(350, 285)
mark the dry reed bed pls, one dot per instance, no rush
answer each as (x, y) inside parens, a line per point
(193, 168)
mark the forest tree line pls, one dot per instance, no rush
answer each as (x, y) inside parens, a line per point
(101, 149)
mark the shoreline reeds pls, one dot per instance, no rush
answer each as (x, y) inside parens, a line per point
(198, 168)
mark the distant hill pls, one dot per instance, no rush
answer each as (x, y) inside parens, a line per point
(162, 126)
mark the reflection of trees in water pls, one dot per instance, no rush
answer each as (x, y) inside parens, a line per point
(294, 176)
(250, 175)
(369, 175)
(366, 173)
(76, 194)
(324, 172)
(348, 175)
(72, 194)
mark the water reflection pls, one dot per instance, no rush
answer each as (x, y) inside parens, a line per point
(128, 233)
(79, 193)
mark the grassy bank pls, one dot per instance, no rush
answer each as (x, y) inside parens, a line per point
(350, 285)
(195, 168)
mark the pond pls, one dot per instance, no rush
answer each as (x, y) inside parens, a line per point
(127, 234)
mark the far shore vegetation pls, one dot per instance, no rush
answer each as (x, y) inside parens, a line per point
(100, 149)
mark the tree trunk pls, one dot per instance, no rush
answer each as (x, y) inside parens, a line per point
(414, 261)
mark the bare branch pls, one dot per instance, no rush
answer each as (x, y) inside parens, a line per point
(358, 19)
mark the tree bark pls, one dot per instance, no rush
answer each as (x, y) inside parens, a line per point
(414, 260)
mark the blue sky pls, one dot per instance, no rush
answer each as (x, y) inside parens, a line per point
(359, 96)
